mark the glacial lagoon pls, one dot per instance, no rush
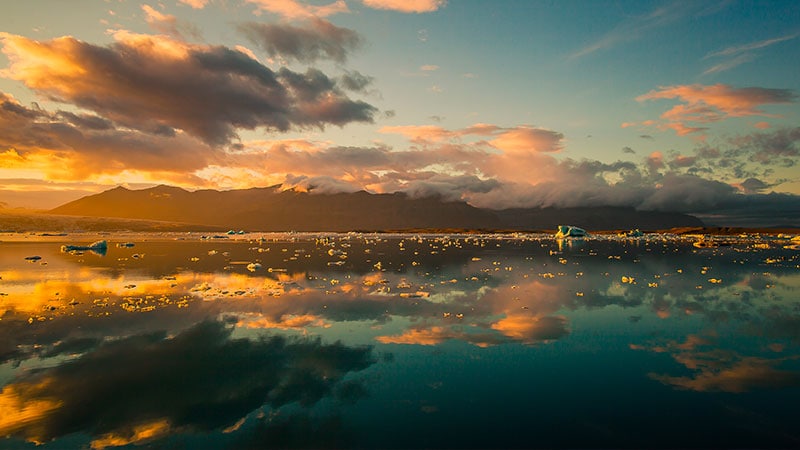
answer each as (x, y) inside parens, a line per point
(294, 340)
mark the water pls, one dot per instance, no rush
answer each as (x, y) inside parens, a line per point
(398, 341)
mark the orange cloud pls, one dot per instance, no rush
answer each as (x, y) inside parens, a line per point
(720, 370)
(407, 6)
(21, 412)
(530, 329)
(285, 322)
(739, 376)
(528, 139)
(167, 23)
(196, 4)
(292, 9)
(420, 133)
(136, 435)
(707, 104)
(429, 336)
(522, 138)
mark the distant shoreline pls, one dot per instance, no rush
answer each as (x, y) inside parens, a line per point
(25, 223)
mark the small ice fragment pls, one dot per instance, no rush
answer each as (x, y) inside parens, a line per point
(125, 244)
(33, 258)
(252, 267)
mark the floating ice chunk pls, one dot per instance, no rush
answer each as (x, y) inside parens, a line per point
(125, 244)
(631, 233)
(702, 243)
(252, 267)
(33, 258)
(569, 231)
(97, 247)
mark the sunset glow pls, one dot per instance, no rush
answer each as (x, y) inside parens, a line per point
(528, 109)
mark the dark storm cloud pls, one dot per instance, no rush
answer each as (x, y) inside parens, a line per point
(156, 84)
(317, 39)
(201, 379)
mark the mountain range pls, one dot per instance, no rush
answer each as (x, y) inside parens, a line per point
(273, 209)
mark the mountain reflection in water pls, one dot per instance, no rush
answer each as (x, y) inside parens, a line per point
(376, 340)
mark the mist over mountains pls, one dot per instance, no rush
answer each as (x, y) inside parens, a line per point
(271, 209)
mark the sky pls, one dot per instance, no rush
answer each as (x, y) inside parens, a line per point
(659, 105)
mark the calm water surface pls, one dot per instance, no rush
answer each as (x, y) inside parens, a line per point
(398, 341)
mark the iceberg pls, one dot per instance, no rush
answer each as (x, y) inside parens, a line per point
(565, 231)
(98, 247)
(631, 233)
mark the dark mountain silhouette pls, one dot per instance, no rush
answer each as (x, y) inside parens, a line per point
(270, 209)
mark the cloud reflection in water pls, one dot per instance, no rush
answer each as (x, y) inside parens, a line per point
(150, 385)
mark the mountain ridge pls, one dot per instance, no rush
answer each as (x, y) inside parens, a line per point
(270, 209)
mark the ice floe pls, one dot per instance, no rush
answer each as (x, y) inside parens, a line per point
(569, 231)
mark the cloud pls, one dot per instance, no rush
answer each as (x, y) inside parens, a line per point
(151, 83)
(530, 330)
(526, 139)
(293, 9)
(729, 64)
(196, 4)
(168, 24)
(707, 104)
(73, 146)
(636, 28)
(407, 6)
(523, 138)
(753, 186)
(356, 81)
(718, 370)
(317, 39)
(780, 147)
(744, 48)
(504, 167)
(220, 380)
